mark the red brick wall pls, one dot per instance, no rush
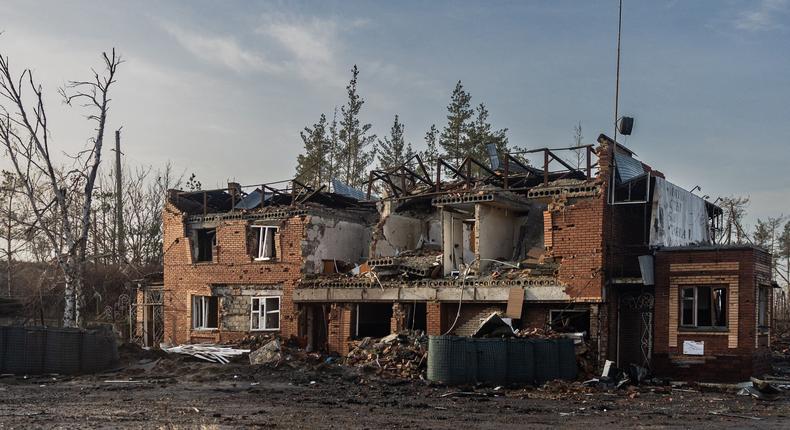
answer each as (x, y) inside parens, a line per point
(434, 319)
(231, 264)
(339, 336)
(576, 239)
(722, 360)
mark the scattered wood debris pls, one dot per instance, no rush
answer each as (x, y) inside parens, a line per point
(402, 355)
(212, 353)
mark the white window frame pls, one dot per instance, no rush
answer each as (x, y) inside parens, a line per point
(263, 237)
(200, 304)
(262, 312)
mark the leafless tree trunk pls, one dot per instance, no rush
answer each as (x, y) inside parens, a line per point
(25, 134)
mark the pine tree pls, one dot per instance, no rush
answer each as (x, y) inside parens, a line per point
(431, 152)
(310, 165)
(333, 151)
(393, 150)
(480, 135)
(454, 140)
(354, 137)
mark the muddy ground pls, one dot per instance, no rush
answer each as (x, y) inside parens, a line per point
(184, 393)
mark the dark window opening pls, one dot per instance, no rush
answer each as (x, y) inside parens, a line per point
(762, 306)
(704, 306)
(417, 317)
(570, 320)
(372, 319)
(206, 239)
(205, 312)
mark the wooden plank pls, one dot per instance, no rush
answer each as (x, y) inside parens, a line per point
(515, 303)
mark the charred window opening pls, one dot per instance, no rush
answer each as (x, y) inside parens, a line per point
(372, 319)
(570, 320)
(206, 240)
(205, 312)
(704, 306)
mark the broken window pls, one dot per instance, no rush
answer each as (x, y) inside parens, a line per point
(264, 246)
(205, 312)
(570, 320)
(372, 319)
(265, 314)
(704, 306)
(762, 307)
(206, 240)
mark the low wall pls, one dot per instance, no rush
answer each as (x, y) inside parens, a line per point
(461, 360)
(36, 350)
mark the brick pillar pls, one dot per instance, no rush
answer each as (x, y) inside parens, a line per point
(339, 336)
(398, 320)
(289, 314)
(434, 318)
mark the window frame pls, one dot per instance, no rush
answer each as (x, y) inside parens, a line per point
(695, 300)
(263, 236)
(203, 317)
(262, 312)
(763, 306)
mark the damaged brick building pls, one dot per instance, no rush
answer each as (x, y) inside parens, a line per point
(608, 248)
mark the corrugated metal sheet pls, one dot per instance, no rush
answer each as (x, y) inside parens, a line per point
(252, 200)
(346, 190)
(628, 167)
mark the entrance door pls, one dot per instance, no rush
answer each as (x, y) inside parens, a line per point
(153, 317)
(635, 328)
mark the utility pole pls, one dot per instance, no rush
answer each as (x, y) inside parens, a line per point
(121, 235)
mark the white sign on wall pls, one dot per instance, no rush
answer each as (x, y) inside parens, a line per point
(678, 217)
(691, 347)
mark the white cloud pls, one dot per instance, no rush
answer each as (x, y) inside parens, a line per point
(763, 17)
(312, 46)
(220, 50)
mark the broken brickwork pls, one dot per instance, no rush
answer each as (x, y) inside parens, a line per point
(441, 253)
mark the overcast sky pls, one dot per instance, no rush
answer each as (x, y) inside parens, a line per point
(222, 89)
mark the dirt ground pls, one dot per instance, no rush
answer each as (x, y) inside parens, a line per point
(184, 393)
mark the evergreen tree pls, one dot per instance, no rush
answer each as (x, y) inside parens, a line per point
(333, 151)
(393, 150)
(354, 137)
(480, 135)
(311, 164)
(454, 140)
(431, 152)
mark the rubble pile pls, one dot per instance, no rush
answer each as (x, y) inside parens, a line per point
(401, 355)
(253, 341)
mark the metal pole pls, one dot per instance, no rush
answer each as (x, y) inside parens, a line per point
(119, 199)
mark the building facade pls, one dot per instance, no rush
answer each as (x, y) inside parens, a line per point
(607, 248)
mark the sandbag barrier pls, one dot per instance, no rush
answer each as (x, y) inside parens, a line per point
(456, 360)
(68, 351)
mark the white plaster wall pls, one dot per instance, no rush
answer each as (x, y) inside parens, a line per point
(327, 239)
(403, 233)
(495, 234)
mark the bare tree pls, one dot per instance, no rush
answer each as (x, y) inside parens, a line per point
(734, 208)
(25, 135)
(12, 231)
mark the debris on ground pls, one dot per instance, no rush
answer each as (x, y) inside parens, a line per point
(208, 352)
(495, 326)
(759, 389)
(267, 354)
(402, 355)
